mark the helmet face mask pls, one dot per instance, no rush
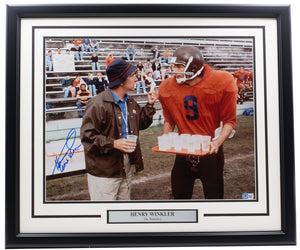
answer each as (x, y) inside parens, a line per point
(192, 59)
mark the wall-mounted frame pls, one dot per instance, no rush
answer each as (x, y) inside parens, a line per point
(261, 214)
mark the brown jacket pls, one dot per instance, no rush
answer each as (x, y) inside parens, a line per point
(101, 125)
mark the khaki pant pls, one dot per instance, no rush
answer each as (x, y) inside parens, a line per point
(101, 188)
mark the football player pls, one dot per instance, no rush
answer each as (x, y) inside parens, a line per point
(197, 100)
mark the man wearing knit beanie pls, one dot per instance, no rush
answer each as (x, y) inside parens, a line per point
(109, 119)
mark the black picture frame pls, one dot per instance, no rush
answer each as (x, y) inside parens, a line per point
(15, 239)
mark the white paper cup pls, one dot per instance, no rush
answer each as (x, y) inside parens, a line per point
(205, 142)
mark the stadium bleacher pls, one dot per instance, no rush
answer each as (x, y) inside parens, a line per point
(221, 54)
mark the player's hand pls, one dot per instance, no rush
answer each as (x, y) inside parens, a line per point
(152, 97)
(125, 145)
(214, 147)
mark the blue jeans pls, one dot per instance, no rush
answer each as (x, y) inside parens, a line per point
(94, 64)
(138, 85)
(87, 48)
(50, 66)
(79, 107)
(92, 89)
(79, 55)
(93, 48)
(130, 56)
(66, 91)
(82, 47)
(167, 59)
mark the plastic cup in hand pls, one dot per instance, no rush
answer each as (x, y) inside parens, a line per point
(132, 138)
(205, 142)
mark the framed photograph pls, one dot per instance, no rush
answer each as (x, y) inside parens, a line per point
(185, 74)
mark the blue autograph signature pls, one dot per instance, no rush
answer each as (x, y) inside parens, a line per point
(66, 153)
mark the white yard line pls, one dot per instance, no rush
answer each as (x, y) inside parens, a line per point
(151, 178)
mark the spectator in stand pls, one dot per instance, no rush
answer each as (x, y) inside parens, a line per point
(140, 67)
(67, 85)
(166, 56)
(91, 84)
(95, 45)
(156, 67)
(140, 82)
(95, 62)
(171, 67)
(78, 42)
(58, 51)
(109, 59)
(241, 76)
(78, 53)
(150, 82)
(148, 67)
(86, 45)
(49, 60)
(100, 82)
(82, 94)
(76, 83)
(170, 71)
(68, 51)
(130, 53)
(156, 54)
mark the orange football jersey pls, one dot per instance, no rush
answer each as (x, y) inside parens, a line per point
(241, 77)
(200, 108)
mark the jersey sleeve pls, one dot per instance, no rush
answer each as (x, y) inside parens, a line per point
(166, 113)
(228, 102)
(163, 98)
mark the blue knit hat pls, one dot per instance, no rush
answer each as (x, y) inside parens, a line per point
(118, 71)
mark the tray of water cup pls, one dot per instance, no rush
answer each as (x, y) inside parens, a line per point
(184, 144)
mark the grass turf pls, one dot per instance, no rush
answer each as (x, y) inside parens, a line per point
(239, 170)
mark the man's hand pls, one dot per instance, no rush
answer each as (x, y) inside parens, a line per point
(125, 145)
(152, 97)
(214, 146)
